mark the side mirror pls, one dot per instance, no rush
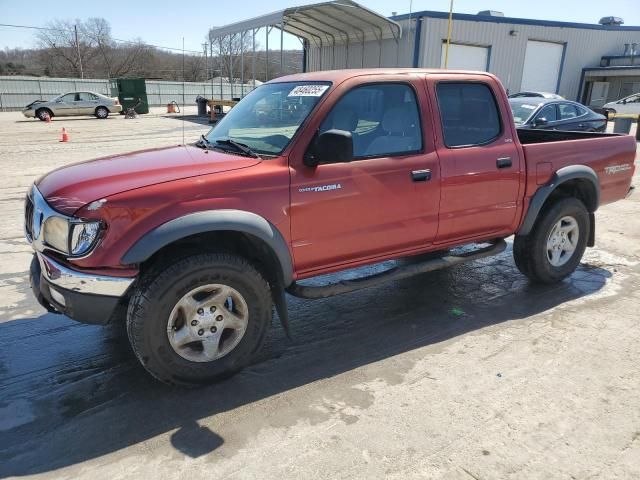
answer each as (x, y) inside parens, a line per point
(624, 101)
(539, 122)
(332, 146)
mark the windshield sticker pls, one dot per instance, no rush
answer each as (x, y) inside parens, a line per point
(308, 91)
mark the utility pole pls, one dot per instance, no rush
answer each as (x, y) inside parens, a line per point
(205, 47)
(213, 67)
(449, 26)
(75, 30)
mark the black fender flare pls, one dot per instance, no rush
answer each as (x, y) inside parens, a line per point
(563, 175)
(212, 221)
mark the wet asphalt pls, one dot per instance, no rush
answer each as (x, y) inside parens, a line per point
(76, 392)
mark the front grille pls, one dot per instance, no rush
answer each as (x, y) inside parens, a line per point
(28, 217)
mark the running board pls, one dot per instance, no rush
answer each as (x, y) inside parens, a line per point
(396, 273)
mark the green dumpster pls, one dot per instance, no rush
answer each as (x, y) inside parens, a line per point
(129, 91)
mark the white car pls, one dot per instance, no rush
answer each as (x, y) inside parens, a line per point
(630, 104)
(73, 103)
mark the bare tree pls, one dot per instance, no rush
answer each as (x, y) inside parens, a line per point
(228, 52)
(63, 49)
(115, 59)
(194, 68)
(96, 54)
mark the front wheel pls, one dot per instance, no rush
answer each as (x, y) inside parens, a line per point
(554, 247)
(44, 114)
(102, 112)
(199, 320)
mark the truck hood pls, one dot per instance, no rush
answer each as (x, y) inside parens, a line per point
(71, 187)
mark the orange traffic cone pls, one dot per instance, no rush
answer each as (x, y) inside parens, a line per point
(65, 135)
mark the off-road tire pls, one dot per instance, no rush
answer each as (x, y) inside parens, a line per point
(42, 113)
(530, 251)
(158, 291)
(102, 112)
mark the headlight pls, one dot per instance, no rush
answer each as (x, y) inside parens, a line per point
(83, 236)
(70, 237)
(56, 233)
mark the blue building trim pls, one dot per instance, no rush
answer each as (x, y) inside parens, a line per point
(581, 85)
(615, 67)
(564, 53)
(600, 69)
(611, 57)
(416, 42)
(489, 57)
(515, 21)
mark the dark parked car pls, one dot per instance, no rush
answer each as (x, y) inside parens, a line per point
(537, 94)
(551, 114)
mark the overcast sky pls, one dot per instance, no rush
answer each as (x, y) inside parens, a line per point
(165, 23)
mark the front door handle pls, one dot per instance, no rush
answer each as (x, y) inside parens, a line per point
(421, 175)
(503, 162)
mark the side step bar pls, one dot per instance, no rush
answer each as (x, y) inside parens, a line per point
(396, 273)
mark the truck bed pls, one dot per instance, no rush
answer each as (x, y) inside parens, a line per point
(611, 156)
(528, 136)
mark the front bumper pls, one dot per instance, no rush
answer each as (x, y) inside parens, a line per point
(84, 297)
(29, 113)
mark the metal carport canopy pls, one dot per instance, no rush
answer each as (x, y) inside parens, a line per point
(322, 24)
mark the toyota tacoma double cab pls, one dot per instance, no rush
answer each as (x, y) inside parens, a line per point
(194, 245)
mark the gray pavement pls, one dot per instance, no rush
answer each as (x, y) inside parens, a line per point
(468, 373)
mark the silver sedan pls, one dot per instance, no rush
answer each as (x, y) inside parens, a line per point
(73, 103)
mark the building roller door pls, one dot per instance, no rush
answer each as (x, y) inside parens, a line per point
(542, 63)
(466, 57)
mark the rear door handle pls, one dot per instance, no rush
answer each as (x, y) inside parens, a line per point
(421, 175)
(503, 162)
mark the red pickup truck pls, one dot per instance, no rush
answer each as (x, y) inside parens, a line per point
(309, 174)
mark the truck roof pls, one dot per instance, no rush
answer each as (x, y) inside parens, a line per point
(341, 75)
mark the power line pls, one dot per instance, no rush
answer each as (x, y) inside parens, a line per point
(31, 27)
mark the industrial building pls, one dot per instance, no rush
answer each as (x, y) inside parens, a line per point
(592, 63)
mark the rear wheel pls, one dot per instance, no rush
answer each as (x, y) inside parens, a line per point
(199, 320)
(554, 248)
(44, 114)
(102, 112)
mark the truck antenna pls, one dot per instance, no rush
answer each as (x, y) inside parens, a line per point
(182, 90)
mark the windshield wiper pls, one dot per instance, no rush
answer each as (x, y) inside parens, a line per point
(241, 147)
(204, 142)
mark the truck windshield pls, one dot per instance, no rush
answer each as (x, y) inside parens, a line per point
(267, 118)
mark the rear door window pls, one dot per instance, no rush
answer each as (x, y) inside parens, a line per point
(468, 112)
(549, 113)
(581, 110)
(567, 111)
